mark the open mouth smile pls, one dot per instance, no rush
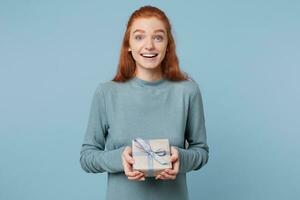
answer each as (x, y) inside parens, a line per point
(149, 55)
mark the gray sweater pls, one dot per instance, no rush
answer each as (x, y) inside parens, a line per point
(160, 109)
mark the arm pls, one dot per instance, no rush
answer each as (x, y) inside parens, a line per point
(196, 155)
(93, 156)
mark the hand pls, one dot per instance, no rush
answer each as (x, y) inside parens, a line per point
(170, 174)
(127, 162)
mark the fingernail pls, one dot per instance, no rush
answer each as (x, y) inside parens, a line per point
(143, 179)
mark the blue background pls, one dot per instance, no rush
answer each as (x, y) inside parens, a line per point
(244, 55)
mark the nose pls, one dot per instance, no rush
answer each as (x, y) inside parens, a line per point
(149, 44)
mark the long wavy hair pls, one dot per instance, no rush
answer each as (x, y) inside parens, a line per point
(169, 65)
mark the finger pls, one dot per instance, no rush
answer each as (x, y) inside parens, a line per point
(127, 165)
(129, 159)
(166, 176)
(136, 177)
(127, 150)
(130, 173)
(142, 178)
(174, 154)
(174, 170)
(171, 171)
(174, 158)
(176, 166)
(128, 169)
(127, 156)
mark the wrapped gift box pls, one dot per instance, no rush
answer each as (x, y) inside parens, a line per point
(151, 156)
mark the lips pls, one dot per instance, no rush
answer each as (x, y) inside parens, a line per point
(149, 55)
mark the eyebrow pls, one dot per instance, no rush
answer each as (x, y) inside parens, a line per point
(156, 31)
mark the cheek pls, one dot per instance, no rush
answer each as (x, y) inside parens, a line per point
(163, 47)
(163, 50)
(135, 48)
(135, 54)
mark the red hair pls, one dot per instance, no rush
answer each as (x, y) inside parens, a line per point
(169, 65)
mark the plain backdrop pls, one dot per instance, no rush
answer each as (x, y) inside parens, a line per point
(245, 56)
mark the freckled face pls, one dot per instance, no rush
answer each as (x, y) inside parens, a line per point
(148, 42)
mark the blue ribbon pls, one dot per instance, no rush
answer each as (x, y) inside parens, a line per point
(145, 146)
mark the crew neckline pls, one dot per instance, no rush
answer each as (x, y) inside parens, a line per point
(149, 83)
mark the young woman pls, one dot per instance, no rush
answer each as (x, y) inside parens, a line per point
(149, 98)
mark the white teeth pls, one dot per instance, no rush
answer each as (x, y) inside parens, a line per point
(149, 54)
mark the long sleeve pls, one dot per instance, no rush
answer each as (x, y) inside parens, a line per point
(94, 158)
(196, 155)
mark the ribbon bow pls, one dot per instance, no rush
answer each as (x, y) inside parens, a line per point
(154, 154)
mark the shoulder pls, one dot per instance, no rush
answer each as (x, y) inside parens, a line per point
(111, 88)
(103, 87)
(189, 86)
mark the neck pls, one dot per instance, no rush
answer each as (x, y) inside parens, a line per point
(149, 74)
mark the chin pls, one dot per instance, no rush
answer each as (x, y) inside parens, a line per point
(150, 67)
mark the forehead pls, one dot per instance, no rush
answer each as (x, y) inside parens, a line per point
(147, 24)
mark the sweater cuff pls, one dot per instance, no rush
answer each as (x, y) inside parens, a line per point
(186, 160)
(113, 160)
(181, 156)
(191, 159)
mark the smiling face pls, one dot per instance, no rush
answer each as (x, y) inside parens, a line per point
(148, 42)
